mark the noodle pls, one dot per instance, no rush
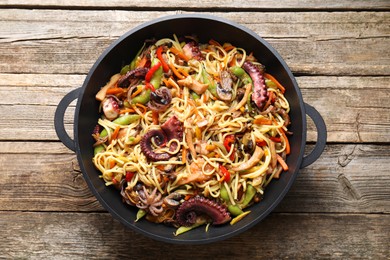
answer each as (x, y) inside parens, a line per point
(220, 127)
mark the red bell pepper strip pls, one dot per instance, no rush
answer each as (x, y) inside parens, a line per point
(261, 143)
(275, 139)
(129, 176)
(161, 58)
(150, 86)
(229, 140)
(225, 173)
(151, 72)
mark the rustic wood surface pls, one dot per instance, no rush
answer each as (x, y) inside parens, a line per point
(339, 207)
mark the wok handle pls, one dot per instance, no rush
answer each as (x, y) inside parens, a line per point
(59, 119)
(321, 136)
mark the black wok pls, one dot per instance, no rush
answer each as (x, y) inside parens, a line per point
(119, 53)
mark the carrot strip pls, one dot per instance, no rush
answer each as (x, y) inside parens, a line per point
(115, 133)
(262, 121)
(228, 47)
(233, 61)
(142, 107)
(160, 167)
(222, 179)
(112, 164)
(270, 99)
(155, 117)
(175, 71)
(102, 92)
(270, 77)
(184, 156)
(114, 91)
(166, 82)
(179, 54)
(282, 162)
(135, 93)
(182, 71)
(126, 110)
(282, 133)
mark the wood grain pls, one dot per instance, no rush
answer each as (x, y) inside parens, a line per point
(338, 207)
(202, 4)
(346, 178)
(97, 236)
(58, 41)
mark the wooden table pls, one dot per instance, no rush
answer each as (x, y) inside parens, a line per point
(337, 208)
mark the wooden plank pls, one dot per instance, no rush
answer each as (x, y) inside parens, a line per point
(355, 109)
(279, 236)
(346, 178)
(350, 109)
(58, 41)
(202, 4)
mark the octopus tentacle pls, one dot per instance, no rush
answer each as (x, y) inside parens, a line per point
(260, 93)
(171, 129)
(146, 145)
(130, 76)
(193, 208)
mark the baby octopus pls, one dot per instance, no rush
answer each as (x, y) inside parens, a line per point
(151, 202)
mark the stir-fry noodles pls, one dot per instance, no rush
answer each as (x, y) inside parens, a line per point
(191, 133)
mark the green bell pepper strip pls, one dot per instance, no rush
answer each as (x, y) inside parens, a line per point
(240, 72)
(144, 97)
(184, 229)
(98, 149)
(270, 84)
(208, 80)
(123, 120)
(140, 214)
(249, 194)
(194, 95)
(224, 194)
(235, 210)
(126, 119)
(125, 69)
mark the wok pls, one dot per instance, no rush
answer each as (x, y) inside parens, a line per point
(121, 52)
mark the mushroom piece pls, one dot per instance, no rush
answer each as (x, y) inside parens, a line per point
(248, 143)
(225, 87)
(193, 84)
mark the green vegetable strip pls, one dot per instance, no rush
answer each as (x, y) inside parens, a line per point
(207, 79)
(123, 120)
